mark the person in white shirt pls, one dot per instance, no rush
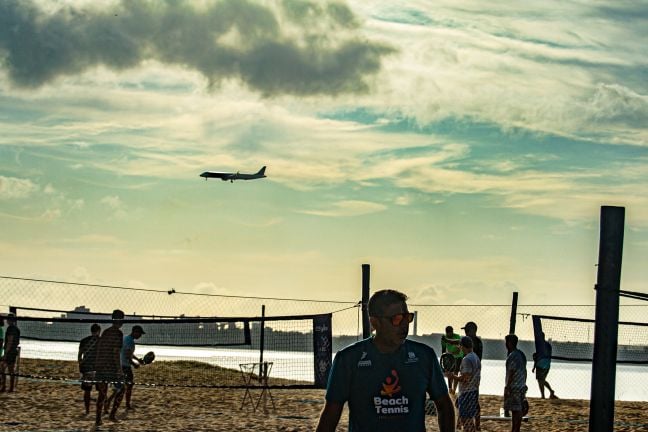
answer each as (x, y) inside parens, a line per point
(469, 378)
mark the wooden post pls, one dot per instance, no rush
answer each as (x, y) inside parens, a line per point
(366, 325)
(606, 327)
(513, 313)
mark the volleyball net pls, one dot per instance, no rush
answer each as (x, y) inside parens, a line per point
(572, 339)
(189, 351)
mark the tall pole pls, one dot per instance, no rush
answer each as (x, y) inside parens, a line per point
(606, 326)
(366, 326)
(513, 313)
(261, 340)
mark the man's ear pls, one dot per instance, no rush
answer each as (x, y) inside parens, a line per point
(374, 322)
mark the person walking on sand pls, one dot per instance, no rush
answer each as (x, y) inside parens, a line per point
(516, 388)
(86, 358)
(128, 362)
(470, 329)
(107, 362)
(541, 366)
(10, 354)
(469, 378)
(385, 378)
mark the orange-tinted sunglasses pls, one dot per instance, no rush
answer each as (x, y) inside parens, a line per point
(398, 318)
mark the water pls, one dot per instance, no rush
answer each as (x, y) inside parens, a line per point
(570, 380)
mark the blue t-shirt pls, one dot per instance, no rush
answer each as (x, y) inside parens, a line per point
(385, 392)
(129, 344)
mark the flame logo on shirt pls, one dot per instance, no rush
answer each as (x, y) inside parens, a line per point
(390, 386)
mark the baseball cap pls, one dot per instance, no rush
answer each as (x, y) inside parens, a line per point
(469, 324)
(467, 342)
(138, 328)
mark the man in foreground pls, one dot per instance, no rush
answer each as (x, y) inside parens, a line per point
(86, 357)
(385, 378)
(515, 389)
(10, 354)
(107, 363)
(469, 378)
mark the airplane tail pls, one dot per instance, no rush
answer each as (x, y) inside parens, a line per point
(261, 171)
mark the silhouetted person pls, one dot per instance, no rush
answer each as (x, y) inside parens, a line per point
(107, 363)
(516, 388)
(541, 366)
(10, 354)
(478, 348)
(86, 357)
(128, 362)
(469, 378)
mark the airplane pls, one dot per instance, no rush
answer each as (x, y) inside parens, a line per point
(234, 176)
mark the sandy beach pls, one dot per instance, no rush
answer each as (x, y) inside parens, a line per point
(46, 405)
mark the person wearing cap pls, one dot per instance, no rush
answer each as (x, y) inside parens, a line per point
(10, 354)
(450, 344)
(470, 329)
(478, 348)
(469, 377)
(128, 361)
(108, 364)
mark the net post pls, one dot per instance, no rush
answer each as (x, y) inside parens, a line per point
(261, 341)
(601, 416)
(366, 326)
(514, 304)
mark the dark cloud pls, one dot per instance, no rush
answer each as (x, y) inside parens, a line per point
(295, 47)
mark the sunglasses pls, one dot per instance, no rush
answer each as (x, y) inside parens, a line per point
(398, 318)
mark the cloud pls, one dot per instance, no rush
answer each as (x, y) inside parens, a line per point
(347, 209)
(15, 188)
(285, 47)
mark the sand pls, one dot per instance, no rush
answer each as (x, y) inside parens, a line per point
(58, 406)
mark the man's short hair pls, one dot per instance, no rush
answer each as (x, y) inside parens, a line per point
(118, 314)
(512, 339)
(95, 328)
(449, 329)
(11, 318)
(383, 298)
(466, 341)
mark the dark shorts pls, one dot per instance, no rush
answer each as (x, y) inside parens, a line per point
(541, 373)
(514, 399)
(87, 380)
(10, 357)
(128, 375)
(109, 377)
(468, 403)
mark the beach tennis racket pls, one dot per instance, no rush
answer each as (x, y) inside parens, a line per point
(148, 358)
(447, 362)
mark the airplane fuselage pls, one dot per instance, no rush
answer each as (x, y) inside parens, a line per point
(225, 176)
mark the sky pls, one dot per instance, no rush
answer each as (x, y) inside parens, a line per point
(463, 149)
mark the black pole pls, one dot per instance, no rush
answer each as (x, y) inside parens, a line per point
(513, 313)
(608, 283)
(261, 340)
(366, 326)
